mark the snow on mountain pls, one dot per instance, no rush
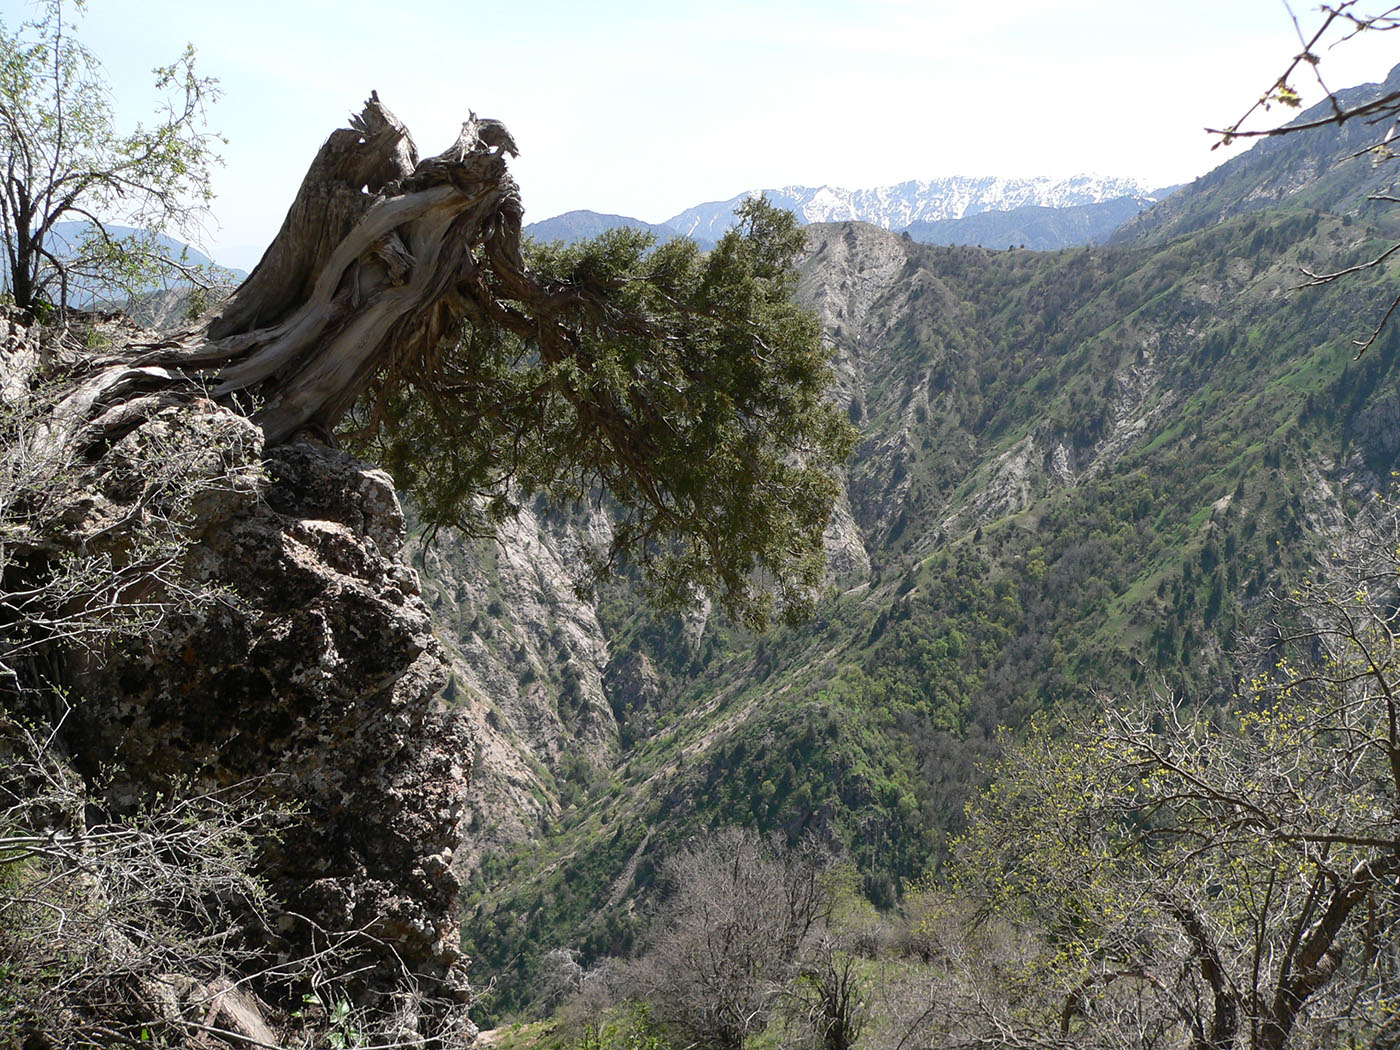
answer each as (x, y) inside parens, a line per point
(918, 200)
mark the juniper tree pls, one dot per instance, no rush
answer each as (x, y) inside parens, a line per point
(398, 310)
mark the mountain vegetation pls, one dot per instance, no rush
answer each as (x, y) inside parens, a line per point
(207, 641)
(869, 643)
(1034, 226)
(1042, 213)
(1238, 869)
(1336, 172)
(1081, 474)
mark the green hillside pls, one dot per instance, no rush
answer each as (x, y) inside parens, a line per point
(1081, 472)
(1333, 170)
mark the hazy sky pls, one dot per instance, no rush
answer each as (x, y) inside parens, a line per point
(648, 108)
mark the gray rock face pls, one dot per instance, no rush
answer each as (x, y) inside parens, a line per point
(530, 656)
(319, 679)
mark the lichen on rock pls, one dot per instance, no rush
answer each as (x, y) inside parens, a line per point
(309, 669)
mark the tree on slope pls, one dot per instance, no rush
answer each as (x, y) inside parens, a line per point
(1180, 879)
(734, 930)
(396, 306)
(398, 310)
(64, 162)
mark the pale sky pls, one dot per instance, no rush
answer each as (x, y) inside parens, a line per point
(646, 109)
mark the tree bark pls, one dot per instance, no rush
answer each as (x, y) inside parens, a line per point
(381, 257)
(1318, 955)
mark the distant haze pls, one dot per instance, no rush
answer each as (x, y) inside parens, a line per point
(896, 207)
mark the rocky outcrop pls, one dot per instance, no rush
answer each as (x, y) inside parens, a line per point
(314, 675)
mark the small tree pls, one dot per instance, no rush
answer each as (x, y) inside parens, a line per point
(739, 911)
(64, 161)
(1192, 880)
(825, 1008)
(691, 388)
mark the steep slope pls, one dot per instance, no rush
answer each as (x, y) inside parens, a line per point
(1315, 169)
(1033, 226)
(529, 660)
(1079, 471)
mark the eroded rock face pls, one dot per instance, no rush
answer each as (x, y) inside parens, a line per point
(321, 676)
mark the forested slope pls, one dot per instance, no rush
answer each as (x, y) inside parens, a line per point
(1079, 471)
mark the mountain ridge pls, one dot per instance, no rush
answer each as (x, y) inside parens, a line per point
(899, 205)
(946, 209)
(1317, 169)
(1058, 449)
(1034, 226)
(582, 223)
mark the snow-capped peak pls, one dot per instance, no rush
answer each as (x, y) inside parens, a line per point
(918, 200)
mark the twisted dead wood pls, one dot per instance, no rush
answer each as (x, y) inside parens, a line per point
(381, 257)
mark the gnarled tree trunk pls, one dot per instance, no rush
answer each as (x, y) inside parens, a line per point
(380, 257)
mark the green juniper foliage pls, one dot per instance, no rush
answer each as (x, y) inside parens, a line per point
(691, 393)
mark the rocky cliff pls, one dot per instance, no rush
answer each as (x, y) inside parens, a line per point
(308, 675)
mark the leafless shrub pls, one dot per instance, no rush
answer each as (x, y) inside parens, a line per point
(922, 930)
(561, 977)
(740, 910)
(872, 939)
(92, 553)
(826, 1008)
(112, 930)
(156, 927)
(601, 990)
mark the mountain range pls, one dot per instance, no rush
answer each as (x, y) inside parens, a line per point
(155, 308)
(579, 225)
(1080, 474)
(900, 206)
(1042, 213)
